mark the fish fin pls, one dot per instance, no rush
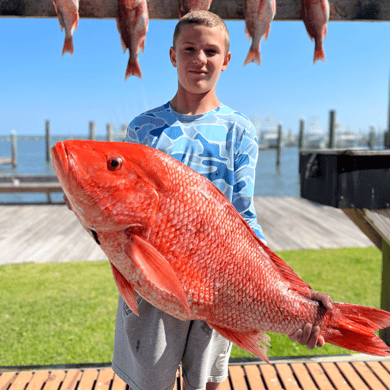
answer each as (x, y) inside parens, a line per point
(76, 22)
(124, 47)
(142, 44)
(353, 328)
(247, 34)
(133, 69)
(125, 289)
(267, 32)
(156, 268)
(256, 342)
(253, 56)
(319, 54)
(58, 15)
(68, 46)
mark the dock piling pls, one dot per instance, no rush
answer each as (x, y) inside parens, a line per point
(279, 145)
(332, 125)
(14, 154)
(47, 138)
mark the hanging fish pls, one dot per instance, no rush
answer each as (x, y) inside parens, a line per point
(132, 21)
(315, 15)
(68, 16)
(258, 17)
(186, 6)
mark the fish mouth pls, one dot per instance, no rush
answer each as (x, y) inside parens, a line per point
(60, 161)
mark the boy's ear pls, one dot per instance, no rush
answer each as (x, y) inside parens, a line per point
(226, 61)
(172, 56)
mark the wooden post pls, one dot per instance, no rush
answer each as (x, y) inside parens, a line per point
(387, 133)
(124, 131)
(375, 224)
(301, 133)
(47, 138)
(279, 145)
(371, 138)
(109, 132)
(92, 135)
(385, 293)
(332, 123)
(227, 9)
(14, 155)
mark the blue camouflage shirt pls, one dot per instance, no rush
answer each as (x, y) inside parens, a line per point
(221, 144)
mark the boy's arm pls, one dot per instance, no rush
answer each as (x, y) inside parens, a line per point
(244, 179)
(244, 172)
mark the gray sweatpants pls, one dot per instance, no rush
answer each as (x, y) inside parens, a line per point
(148, 350)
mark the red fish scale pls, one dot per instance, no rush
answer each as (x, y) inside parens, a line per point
(219, 264)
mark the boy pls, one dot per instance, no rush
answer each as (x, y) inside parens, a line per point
(196, 129)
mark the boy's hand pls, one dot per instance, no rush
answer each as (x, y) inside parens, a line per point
(310, 335)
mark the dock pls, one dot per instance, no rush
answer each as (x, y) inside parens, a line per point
(325, 373)
(51, 233)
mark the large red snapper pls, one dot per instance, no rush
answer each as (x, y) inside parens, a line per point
(258, 17)
(315, 15)
(68, 16)
(173, 237)
(132, 21)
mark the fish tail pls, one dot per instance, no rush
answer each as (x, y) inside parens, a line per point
(319, 53)
(253, 56)
(133, 69)
(68, 46)
(355, 326)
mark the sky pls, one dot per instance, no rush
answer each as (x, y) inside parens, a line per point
(38, 84)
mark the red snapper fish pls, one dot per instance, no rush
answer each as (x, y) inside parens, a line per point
(132, 21)
(68, 16)
(258, 17)
(315, 15)
(175, 239)
(186, 6)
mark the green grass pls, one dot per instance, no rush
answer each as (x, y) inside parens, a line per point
(65, 313)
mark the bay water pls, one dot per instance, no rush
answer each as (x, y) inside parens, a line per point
(270, 180)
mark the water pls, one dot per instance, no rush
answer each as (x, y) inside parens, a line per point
(270, 181)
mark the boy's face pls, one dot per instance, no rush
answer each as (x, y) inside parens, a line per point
(199, 57)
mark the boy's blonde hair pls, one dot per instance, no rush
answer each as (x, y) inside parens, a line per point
(202, 18)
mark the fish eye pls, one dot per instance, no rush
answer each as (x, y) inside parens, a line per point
(114, 163)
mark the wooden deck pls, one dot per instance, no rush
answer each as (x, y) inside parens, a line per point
(339, 373)
(51, 233)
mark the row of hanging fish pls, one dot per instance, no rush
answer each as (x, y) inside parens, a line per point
(132, 21)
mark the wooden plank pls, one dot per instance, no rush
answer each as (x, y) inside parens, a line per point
(104, 379)
(381, 373)
(366, 373)
(253, 376)
(54, 380)
(237, 378)
(6, 379)
(319, 376)
(118, 383)
(227, 9)
(335, 376)
(71, 379)
(359, 218)
(287, 377)
(225, 385)
(352, 377)
(303, 376)
(88, 379)
(270, 377)
(38, 380)
(21, 380)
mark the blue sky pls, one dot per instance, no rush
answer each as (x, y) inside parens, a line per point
(37, 83)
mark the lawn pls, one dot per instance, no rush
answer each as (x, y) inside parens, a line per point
(65, 313)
